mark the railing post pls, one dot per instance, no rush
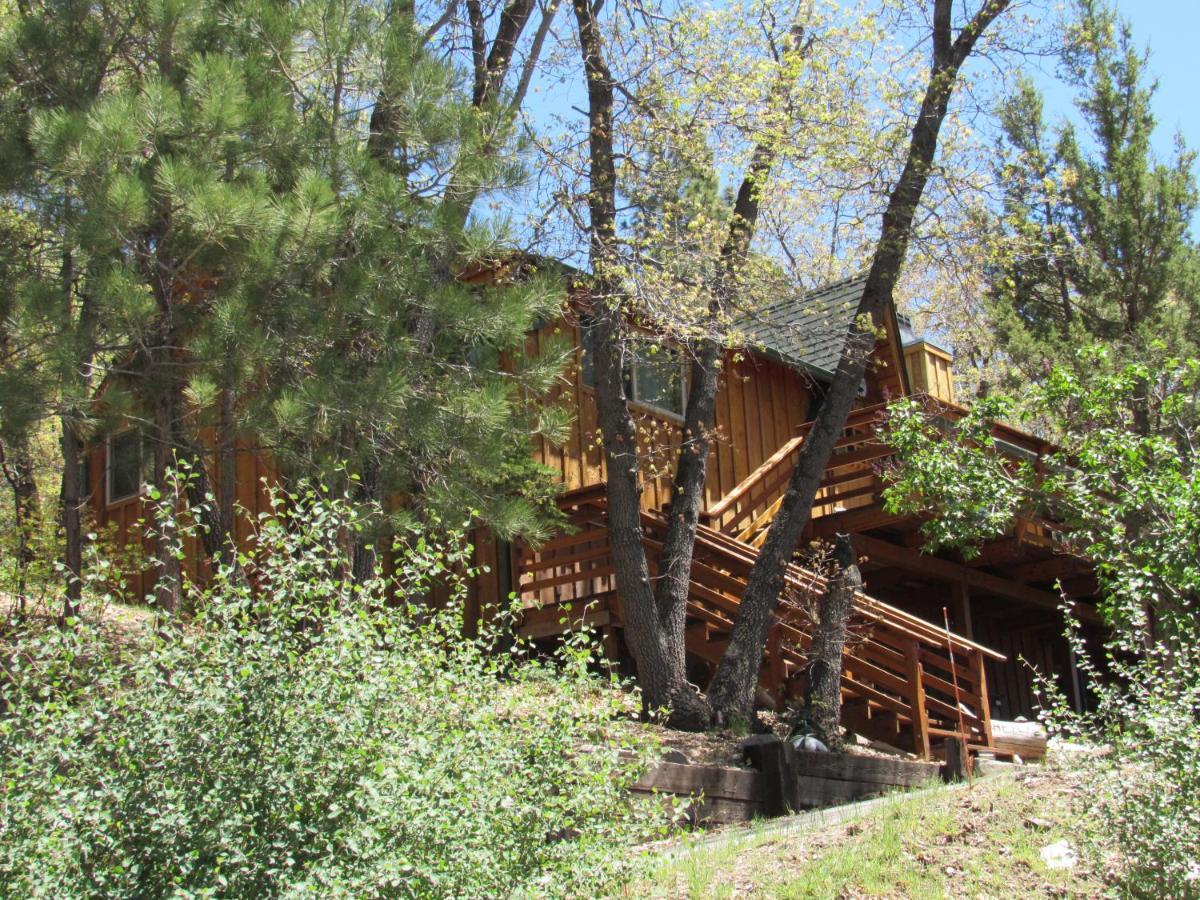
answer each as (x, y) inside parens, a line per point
(985, 712)
(916, 679)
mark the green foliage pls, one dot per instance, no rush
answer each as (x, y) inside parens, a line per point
(1093, 240)
(309, 736)
(1145, 783)
(1129, 502)
(253, 218)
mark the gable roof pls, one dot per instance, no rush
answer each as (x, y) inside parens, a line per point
(808, 331)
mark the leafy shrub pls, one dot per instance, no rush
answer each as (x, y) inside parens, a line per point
(1145, 794)
(1130, 503)
(305, 735)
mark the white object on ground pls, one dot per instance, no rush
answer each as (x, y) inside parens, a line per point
(1059, 855)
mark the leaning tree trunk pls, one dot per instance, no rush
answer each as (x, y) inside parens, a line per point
(732, 691)
(823, 697)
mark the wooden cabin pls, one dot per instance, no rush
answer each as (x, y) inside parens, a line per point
(906, 678)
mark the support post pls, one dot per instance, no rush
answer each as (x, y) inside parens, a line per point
(962, 609)
(958, 763)
(985, 704)
(916, 680)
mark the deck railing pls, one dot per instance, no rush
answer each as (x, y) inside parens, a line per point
(851, 479)
(898, 674)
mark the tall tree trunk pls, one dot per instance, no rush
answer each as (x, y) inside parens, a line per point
(168, 587)
(17, 462)
(659, 656)
(368, 492)
(823, 698)
(82, 318)
(655, 622)
(227, 473)
(69, 511)
(732, 691)
(691, 468)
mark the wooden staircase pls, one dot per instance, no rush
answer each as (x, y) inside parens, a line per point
(904, 680)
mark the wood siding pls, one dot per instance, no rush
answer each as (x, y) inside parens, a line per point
(929, 370)
(759, 406)
(128, 518)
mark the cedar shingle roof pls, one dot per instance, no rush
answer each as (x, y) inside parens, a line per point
(810, 330)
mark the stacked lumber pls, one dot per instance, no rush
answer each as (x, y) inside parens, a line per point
(722, 794)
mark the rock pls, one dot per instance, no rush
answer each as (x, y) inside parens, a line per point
(809, 744)
(1059, 855)
(671, 755)
(1033, 822)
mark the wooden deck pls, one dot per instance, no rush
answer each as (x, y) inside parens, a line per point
(899, 672)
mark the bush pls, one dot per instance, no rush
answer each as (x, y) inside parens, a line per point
(1145, 794)
(306, 737)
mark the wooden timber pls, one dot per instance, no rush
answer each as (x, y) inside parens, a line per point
(902, 669)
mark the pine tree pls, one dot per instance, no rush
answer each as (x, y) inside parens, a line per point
(392, 368)
(1096, 245)
(55, 59)
(259, 220)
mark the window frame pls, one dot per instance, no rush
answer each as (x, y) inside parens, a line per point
(629, 376)
(109, 499)
(646, 404)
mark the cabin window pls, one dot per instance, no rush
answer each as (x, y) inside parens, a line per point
(655, 379)
(124, 465)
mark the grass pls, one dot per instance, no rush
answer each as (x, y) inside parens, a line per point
(985, 841)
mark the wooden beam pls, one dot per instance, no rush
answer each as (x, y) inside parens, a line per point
(853, 521)
(1045, 569)
(960, 608)
(946, 570)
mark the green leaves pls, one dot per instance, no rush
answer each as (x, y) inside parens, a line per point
(313, 735)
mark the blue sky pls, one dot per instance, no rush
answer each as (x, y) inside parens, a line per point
(1170, 28)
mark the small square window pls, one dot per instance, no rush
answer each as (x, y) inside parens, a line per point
(124, 465)
(654, 379)
(658, 381)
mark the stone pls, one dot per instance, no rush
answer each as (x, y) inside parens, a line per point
(809, 744)
(1059, 855)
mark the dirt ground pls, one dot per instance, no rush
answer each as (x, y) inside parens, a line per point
(985, 840)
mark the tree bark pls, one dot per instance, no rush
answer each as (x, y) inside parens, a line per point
(691, 468)
(732, 691)
(17, 463)
(823, 697)
(69, 504)
(656, 636)
(71, 446)
(168, 586)
(659, 655)
(364, 553)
